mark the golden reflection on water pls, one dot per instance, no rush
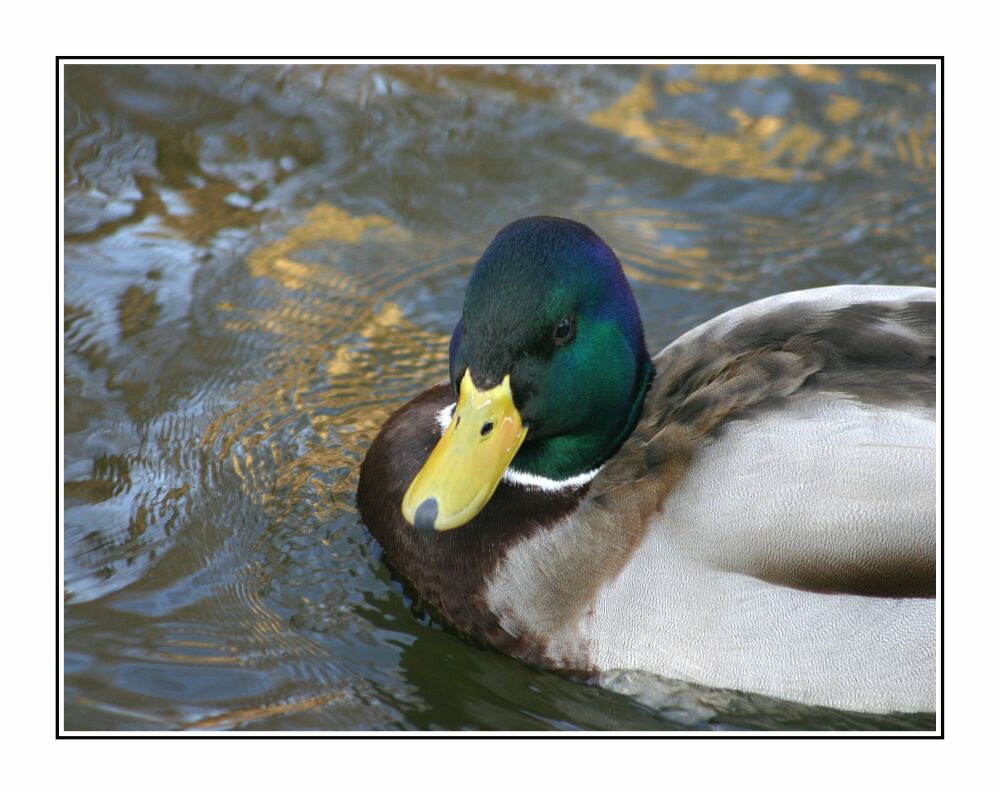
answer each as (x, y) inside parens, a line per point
(324, 223)
(885, 78)
(646, 259)
(449, 79)
(680, 87)
(736, 72)
(841, 109)
(343, 340)
(766, 147)
(683, 143)
(231, 718)
(816, 73)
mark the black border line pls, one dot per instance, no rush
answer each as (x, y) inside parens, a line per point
(940, 88)
(60, 331)
(487, 735)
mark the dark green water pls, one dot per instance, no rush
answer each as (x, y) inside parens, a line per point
(262, 262)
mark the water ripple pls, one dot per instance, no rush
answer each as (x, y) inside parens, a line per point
(262, 262)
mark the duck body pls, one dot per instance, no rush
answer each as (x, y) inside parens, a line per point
(766, 525)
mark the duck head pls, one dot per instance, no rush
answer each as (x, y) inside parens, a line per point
(549, 367)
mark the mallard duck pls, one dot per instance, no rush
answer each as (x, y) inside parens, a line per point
(753, 508)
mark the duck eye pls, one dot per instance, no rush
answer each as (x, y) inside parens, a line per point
(564, 331)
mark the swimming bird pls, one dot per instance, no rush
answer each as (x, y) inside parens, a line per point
(753, 508)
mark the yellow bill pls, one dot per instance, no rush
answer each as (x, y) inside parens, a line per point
(466, 466)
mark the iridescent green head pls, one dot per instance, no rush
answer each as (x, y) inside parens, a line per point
(549, 365)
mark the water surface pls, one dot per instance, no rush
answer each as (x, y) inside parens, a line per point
(262, 262)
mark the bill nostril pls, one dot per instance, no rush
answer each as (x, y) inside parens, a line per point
(486, 429)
